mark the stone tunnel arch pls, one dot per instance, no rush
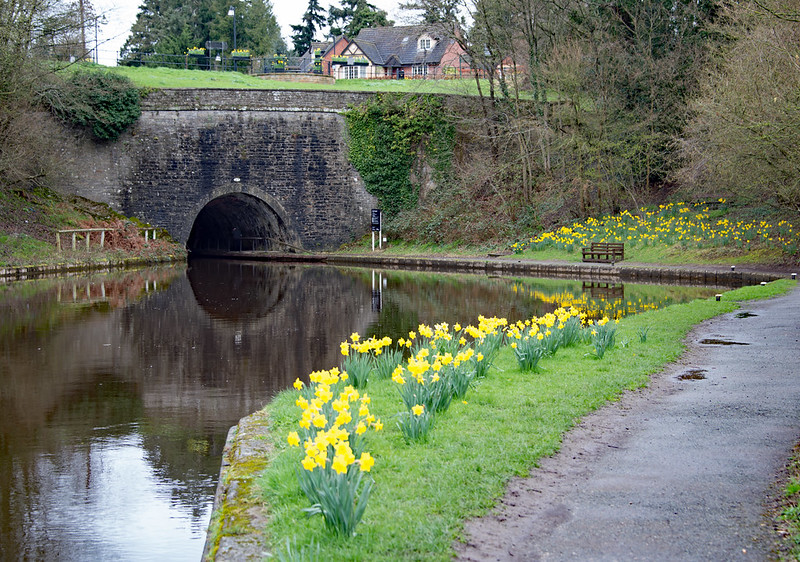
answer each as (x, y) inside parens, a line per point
(239, 221)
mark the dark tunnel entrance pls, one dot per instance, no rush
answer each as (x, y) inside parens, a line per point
(239, 222)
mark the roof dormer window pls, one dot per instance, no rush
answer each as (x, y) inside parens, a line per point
(425, 43)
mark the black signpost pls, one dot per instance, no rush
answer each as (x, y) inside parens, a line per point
(376, 227)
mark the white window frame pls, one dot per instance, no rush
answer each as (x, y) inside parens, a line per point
(425, 43)
(352, 72)
(419, 70)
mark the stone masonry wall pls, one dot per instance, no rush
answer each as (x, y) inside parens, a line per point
(191, 146)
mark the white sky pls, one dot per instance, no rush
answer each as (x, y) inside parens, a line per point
(121, 14)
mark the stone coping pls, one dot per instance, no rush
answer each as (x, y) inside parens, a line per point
(20, 273)
(622, 272)
(238, 518)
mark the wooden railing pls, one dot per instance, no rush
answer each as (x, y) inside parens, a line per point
(87, 232)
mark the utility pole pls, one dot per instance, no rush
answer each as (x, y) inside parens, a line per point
(83, 29)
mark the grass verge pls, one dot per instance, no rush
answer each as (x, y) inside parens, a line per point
(787, 510)
(159, 77)
(661, 254)
(508, 421)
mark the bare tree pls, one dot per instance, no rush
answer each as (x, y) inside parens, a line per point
(745, 138)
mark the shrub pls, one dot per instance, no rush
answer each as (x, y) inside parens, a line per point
(103, 102)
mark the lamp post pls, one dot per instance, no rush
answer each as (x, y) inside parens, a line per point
(232, 13)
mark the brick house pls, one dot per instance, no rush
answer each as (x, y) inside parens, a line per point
(328, 50)
(415, 51)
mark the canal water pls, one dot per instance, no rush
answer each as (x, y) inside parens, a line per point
(117, 390)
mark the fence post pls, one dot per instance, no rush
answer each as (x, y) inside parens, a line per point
(102, 238)
(74, 240)
(58, 240)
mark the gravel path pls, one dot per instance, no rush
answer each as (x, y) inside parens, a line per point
(681, 470)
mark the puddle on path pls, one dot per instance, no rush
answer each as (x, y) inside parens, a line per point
(745, 315)
(693, 375)
(711, 341)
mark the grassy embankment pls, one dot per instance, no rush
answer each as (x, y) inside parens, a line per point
(675, 234)
(29, 222)
(508, 420)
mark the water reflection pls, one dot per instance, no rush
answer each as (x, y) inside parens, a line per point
(118, 390)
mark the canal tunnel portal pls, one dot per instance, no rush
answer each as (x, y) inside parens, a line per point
(200, 163)
(237, 222)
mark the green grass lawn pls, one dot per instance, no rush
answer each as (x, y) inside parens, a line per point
(159, 77)
(510, 419)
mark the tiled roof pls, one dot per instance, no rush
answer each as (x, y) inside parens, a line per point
(380, 44)
(323, 46)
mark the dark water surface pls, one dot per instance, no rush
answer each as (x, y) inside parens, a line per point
(117, 390)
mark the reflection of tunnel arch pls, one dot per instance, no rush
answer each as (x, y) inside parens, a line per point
(238, 221)
(238, 290)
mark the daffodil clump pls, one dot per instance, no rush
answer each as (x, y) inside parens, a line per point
(603, 336)
(540, 337)
(416, 423)
(487, 339)
(334, 419)
(442, 365)
(362, 357)
(687, 225)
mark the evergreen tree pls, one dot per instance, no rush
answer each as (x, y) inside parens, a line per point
(355, 15)
(173, 26)
(304, 33)
(261, 31)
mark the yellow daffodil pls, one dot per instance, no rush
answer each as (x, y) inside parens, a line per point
(366, 462)
(339, 464)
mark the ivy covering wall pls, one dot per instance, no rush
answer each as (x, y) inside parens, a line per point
(387, 133)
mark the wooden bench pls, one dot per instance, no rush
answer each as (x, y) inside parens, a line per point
(604, 252)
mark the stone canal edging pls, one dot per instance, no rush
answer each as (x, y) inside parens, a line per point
(624, 272)
(238, 517)
(621, 272)
(235, 532)
(47, 270)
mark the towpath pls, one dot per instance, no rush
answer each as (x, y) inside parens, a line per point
(680, 470)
